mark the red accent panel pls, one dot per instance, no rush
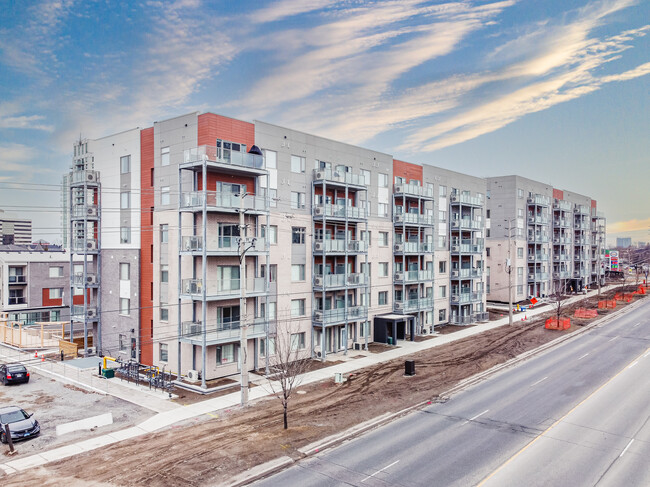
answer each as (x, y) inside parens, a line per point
(79, 299)
(146, 247)
(558, 194)
(226, 178)
(408, 171)
(50, 302)
(213, 127)
(593, 203)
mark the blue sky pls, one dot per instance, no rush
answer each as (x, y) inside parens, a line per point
(554, 90)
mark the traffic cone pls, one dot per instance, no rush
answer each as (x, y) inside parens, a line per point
(42, 358)
(35, 354)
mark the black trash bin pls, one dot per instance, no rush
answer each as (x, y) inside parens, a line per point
(409, 367)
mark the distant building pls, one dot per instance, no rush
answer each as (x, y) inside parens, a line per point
(14, 230)
(624, 242)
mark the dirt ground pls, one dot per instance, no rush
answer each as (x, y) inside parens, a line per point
(212, 450)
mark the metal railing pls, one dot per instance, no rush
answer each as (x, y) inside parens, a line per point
(223, 156)
(336, 245)
(222, 287)
(413, 276)
(18, 279)
(413, 218)
(86, 175)
(223, 199)
(413, 247)
(223, 331)
(539, 200)
(467, 297)
(194, 243)
(413, 304)
(353, 313)
(466, 223)
(340, 212)
(412, 190)
(340, 280)
(339, 177)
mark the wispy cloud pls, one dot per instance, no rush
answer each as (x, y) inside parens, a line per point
(629, 226)
(288, 8)
(14, 156)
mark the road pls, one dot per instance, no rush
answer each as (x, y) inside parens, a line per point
(578, 414)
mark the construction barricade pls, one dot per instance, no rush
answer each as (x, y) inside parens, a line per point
(585, 313)
(607, 304)
(555, 324)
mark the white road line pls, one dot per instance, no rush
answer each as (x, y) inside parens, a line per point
(540, 380)
(625, 449)
(632, 364)
(612, 339)
(472, 419)
(634, 326)
(380, 470)
(646, 355)
(584, 356)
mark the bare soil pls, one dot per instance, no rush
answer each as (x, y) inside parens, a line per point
(212, 450)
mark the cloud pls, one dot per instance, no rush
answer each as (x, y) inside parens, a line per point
(288, 8)
(15, 157)
(629, 226)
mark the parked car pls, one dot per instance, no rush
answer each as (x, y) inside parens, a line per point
(21, 424)
(10, 373)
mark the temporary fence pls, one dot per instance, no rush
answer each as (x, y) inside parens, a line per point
(558, 324)
(585, 313)
(607, 304)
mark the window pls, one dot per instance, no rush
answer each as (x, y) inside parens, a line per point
(487, 251)
(125, 306)
(442, 292)
(442, 266)
(297, 235)
(164, 233)
(487, 232)
(442, 190)
(125, 200)
(125, 235)
(123, 342)
(297, 307)
(520, 193)
(365, 176)
(382, 180)
(520, 212)
(125, 164)
(271, 347)
(383, 239)
(297, 341)
(164, 195)
(487, 213)
(366, 237)
(226, 354)
(273, 273)
(55, 271)
(442, 241)
(125, 271)
(520, 289)
(273, 234)
(164, 312)
(271, 159)
(297, 272)
(297, 200)
(56, 293)
(442, 216)
(164, 273)
(382, 209)
(164, 156)
(520, 252)
(442, 315)
(164, 352)
(297, 164)
(382, 297)
(383, 269)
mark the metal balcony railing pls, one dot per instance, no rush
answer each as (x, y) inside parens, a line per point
(78, 279)
(339, 177)
(228, 245)
(77, 312)
(412, 190)
(413, 218)
(466, 273)
(84, 176)
(332, 316)
(223, 156)
(413, 247)
(538, 257)
(16, 300)
(223, 331)
(413, 304)
(340, 212)
(413, 276)
(340, 246)
(340, 280)
(22, 279)
(459, 198)
(537, 238)
(222, 287)
(562, 205)
(539, 200)
(222, 200)
(466, 224)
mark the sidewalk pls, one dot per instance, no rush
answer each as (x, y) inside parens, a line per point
(170, 413)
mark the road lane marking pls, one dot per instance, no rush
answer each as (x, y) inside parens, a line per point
(478, 415)
(584, 356)
(632, 364)
(380, 470)
(646, 355)
(540, 380)
(612, 339)
(625, 449)
(534, 440)
(634, 326)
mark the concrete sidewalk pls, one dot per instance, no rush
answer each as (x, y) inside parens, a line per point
(170, 413)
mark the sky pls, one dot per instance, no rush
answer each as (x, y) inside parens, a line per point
(554, 90)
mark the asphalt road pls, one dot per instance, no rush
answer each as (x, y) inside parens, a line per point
(578, 414)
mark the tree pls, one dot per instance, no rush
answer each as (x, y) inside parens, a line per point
(558, 295)
(287, 366)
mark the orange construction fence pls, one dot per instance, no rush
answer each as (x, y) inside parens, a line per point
(585, 313)
(555, 324)
(641, 290)
(607, 304)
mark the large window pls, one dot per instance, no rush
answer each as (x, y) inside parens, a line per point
(164, 233)
(125, 164)
(297, 341)
(123, 342)
(125, 235)
(297, 200)
(263, 346)
(442, 266)
(297, 164)
(383, 239)
(271, 159)
(382, 297)
(125, 200)
(125, 271)
(226, 354)
(164, 273)
(125, 306)
(365, 175)
(383, 269)
(297, 235)
(520, 252)
(382, 180)
(164, 156)
(164, 352)
(56, 293)
(442, 292)
(164, 195)
(382, 209)
(56, 271)
(164, 312)
(297, 307)
(297, 272)
(273, 234)
(442, 315)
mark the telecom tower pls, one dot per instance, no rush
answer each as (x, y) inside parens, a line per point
(85, 240)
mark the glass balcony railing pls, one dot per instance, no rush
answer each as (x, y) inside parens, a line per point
(223, 156)
(538, 276)
(412, 190)
(537, 238)
(466, 273)
(223, 332)
(340, 280)
(465, 199)
(16, 300)
(466, 224)
(222, 287)
(222, 200)
(22, 279)
(416, 304)
(341, 315)
(466, 297)
(413, 276)
(229, 245)
(538, 257)
(340, 246)
(77, 312)
(339, 177)
(341, 212)
(539, 200)
(84, 176)
(562, 205)
(537, 220)
(413, 218)
(467, 246)
(413, 247)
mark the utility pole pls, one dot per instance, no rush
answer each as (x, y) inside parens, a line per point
(509, 271)
(243, 325)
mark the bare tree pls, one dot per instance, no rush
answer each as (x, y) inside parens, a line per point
(558, 295)
(287, 365)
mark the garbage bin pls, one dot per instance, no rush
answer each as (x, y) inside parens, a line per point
(409, 367)
(389, 340)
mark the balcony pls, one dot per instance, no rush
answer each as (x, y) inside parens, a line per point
(341, 315)
(538, 239)
(581, 210)
(538, 257)
(582, 226)
(466, 298)
(413, 248)
(580, 256)
(84, 246)
(562, 205)
(471, 273)
(412, 219)
(411, 305)
(79, 281)
(88, 177)
(80, 212)
(561, 222)
(77, 313)
(413, 190)
(466, 224)
(16, 300)
(339, 212)
(561, 257)
(340, 281)
(222, 201)
(463, 320)
(539, 200)
(225, 246)
(561, 275)
(538, 220)
(580, 273)
(192, 332)
(468, 247)
(339, 178)
(538, 276)
(407, 277)
(464, 199)
(581, 241)
(18, 280)
(217, 289)
(336, 246)
(222, 158)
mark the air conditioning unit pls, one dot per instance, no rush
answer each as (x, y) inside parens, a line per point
(455, 248)
(91, 176)
(399, 276)
(399, 218)
(192, 375)
(453, 198)
(92, 245)
(455, 273)
(318, 316)
(455, 224)
(319, 175)
(399, 247)
(318, 352)
(92, 211)
(531, 277)
(319, 246)
(91, 351)
(318, 281)
(399, 188)
(195, 328)
(91, 313)
(91, 279)
(319, 211)
(354, 279)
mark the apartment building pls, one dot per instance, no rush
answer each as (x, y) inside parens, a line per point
(33, 283)
(14, 230)
(225, 233)
(549, 239)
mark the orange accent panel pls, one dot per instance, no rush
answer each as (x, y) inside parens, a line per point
(50, 302)
(408, 171)
(558, 194)
(227, 178)
(593, 203)
(146, 247)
